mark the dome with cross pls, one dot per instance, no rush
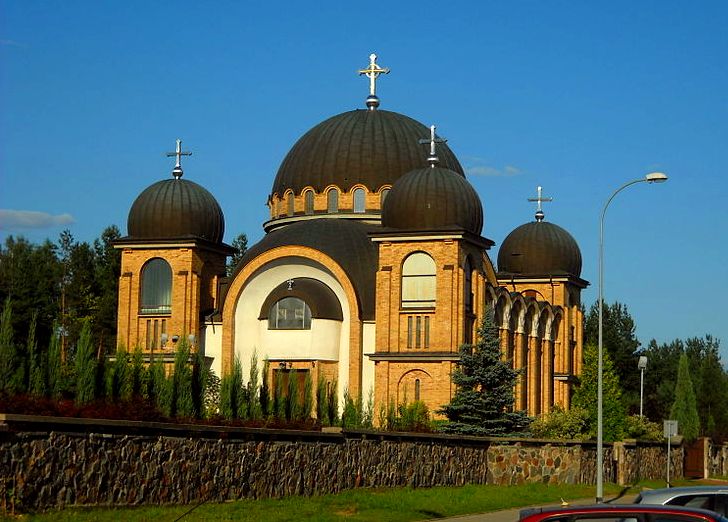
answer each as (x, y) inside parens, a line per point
(540, 248)
(368, 147)
(176, 209)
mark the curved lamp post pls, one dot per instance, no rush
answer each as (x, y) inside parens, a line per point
(653, 177)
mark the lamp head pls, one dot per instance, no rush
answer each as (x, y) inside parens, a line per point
(642, 362)
(656, 177)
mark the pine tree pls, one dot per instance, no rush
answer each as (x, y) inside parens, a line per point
(307, 408)
(199, 384)
(10, 361)
(321, 400)
(484, 395)
(137, 373)
(585, 396)
(56, 374)
(264, 394)
(231, 392)
(684, 409)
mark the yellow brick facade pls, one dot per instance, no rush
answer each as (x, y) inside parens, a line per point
(195, 275)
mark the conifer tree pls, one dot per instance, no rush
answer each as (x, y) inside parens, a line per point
(199, 384)
(55, 366)
(9, 360)
(264, 394)
(137, 373)
(585, 396)
(307, 407)
(279, 397)
(254, 412)
(293, 399)
(37, 362)
(321, 400)
(484, 395)
(183, 404)
(684, 409)
(85, 363)
(231, 392)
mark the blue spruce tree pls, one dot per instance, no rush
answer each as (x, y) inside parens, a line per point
(483, 400)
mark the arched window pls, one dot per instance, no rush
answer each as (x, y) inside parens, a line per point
(333, 201)
(290, 313)
(417, 389)
(418, 281)
(383, 196)
(309, 202)
(156, 295)
(290, 203)
(359, 200)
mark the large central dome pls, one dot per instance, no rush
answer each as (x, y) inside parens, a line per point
(368, 147)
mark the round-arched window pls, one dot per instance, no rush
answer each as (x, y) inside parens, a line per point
(332, 201)
(289, 313)
(309, 202)
(156, 295)
(359, 203)
(418, 281)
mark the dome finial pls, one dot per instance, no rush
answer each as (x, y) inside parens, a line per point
(177, 171)
(540, 199)
(373, 73)
(432, 159)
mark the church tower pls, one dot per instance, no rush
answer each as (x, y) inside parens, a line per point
(543, 332)
(172, 259)
(431, 281)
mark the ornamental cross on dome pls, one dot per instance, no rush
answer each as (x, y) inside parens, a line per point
(433, 141)
(177, 171)
(373, 72)
(540, 199)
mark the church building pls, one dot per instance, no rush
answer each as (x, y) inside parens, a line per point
(373, 270)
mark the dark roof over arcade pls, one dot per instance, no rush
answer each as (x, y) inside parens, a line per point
(344, 241)
(539, 248)
(371, 147)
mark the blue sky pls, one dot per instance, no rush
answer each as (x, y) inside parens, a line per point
(578, 97)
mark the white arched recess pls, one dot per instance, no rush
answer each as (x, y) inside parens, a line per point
(327, 340)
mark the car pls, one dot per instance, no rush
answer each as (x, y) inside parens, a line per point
(714, 498)
(620, 513)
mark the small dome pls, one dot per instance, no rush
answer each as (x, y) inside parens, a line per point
(540, 248)
(371, 147)
(433, 198)
(176, 208)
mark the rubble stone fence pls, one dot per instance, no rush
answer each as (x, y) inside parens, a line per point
(51, 462)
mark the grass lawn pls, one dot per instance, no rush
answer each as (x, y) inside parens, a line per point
(393, 504)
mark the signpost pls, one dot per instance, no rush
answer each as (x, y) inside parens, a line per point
(669, 431)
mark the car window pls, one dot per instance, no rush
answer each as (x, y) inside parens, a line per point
(696, 501)
(721, 504)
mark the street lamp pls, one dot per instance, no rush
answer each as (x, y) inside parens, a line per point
(653, 177)
(642, 364)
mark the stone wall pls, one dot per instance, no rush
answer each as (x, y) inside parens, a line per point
(48, 463)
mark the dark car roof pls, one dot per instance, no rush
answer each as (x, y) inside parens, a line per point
(538, 514)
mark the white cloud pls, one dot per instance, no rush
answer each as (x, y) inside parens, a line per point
(11, 43)
(20, 219)
(477, 167)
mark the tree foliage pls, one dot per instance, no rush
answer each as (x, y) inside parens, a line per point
(585, 396)
(484, 398)
(240, 243)
(621, 344)
(684, 410)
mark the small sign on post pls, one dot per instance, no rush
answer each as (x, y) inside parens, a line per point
(669, 431)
